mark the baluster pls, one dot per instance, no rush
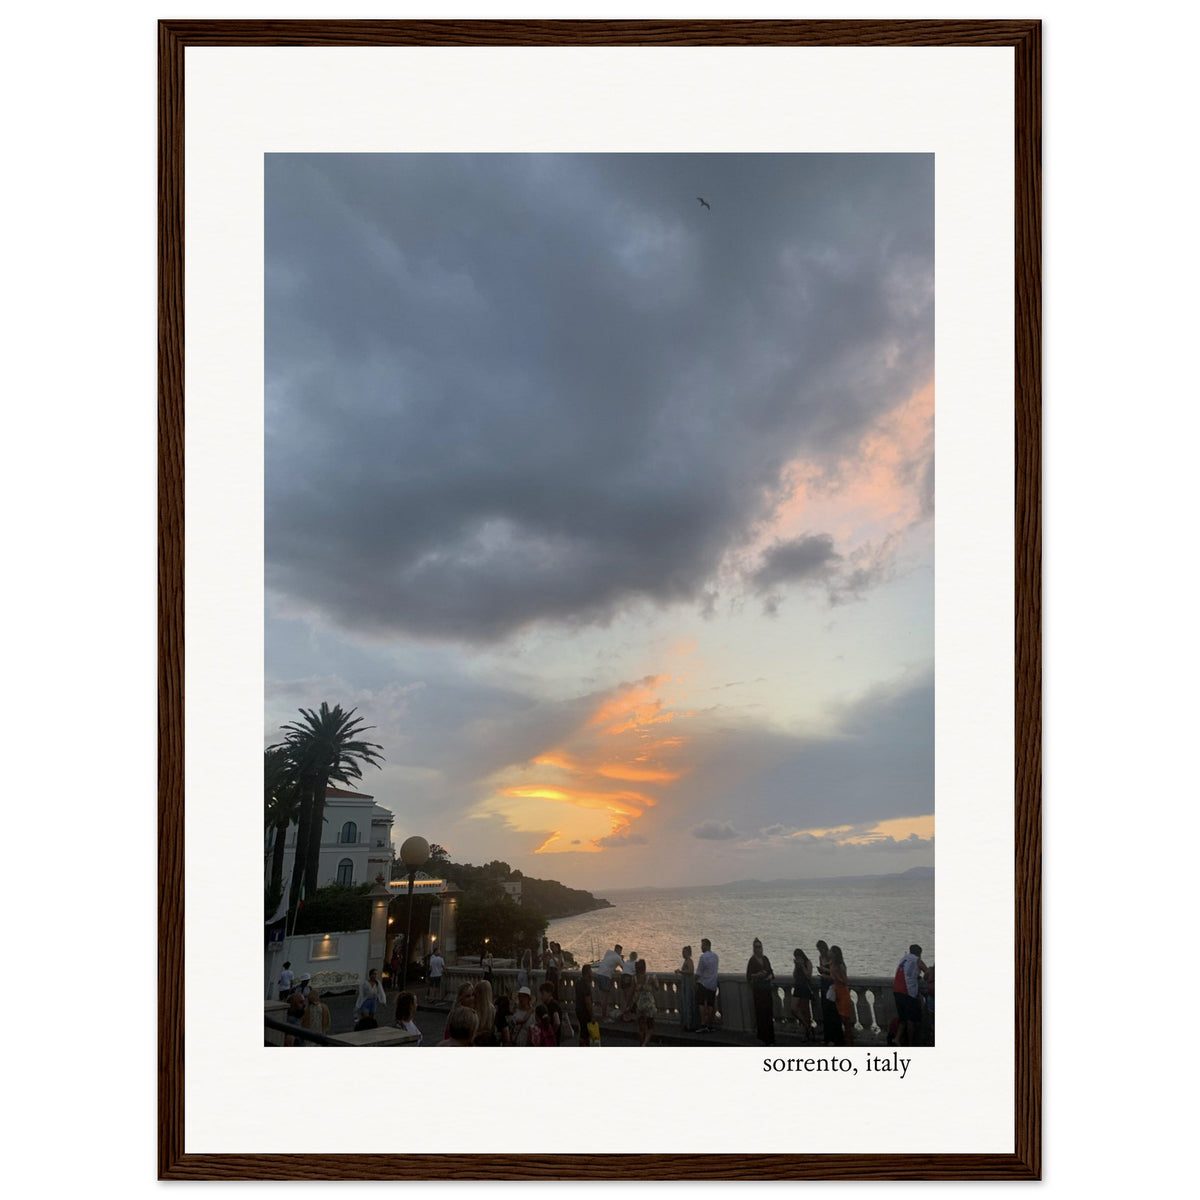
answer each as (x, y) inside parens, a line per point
(869, 997)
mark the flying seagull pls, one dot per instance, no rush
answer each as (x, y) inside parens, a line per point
(704, 202)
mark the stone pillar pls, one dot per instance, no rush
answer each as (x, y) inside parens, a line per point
(380, 898)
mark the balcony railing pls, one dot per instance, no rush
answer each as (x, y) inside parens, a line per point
(871, 998)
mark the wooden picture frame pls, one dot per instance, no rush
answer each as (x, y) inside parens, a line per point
(1024, 1161)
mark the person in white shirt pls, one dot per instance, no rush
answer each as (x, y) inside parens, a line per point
(706, 985)
(437, 965)
(370, 989)
(604, 977)
(286, 979)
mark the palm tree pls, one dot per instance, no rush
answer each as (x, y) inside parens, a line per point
(326, 745)
(281, 799)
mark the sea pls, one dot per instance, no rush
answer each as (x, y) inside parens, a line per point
(873, 918)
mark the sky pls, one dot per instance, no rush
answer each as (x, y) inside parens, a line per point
(610, 512)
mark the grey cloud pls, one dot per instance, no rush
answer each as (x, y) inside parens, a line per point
(716, 831)
(810, 557)
(877, 764)
(506, 388)
(617, 841)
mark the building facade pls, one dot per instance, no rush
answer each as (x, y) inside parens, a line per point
(356, 840)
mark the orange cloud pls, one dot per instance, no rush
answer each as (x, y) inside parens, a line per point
(631, 773)
(617, 743)
(636, 705)
(630, 804)
(877, 487)
(555, 759)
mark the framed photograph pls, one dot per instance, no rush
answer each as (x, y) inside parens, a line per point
(599, 476)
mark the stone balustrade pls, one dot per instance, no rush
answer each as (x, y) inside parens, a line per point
(874, 1006)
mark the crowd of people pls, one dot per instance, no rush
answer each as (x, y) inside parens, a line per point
(621, 988)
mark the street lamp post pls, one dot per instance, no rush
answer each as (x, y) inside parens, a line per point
(414, 853)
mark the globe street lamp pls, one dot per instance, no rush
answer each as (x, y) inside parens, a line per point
(414, 853)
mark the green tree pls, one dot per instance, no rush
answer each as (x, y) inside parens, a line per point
(486, 912)
(338, 907)
(326, 745)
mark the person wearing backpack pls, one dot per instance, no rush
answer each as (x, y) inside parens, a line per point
(906, 987)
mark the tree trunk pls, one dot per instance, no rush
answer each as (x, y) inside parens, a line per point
(277, 850)
(303, 825)
(316, 835)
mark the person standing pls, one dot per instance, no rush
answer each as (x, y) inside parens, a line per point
(406, 1007)
(296, 1003)
(366, 1015)
(525, 972)
(584, 1008)
(841, 992)
(485, 1010)
(541, 1032)
(554, 964)
(626, 977)
(520, 1022)
(504, 1020)
(437, 966)
(906, 991)
(461, 1027)
(554, 1010)
(687, 992)
(801, 1005)
(604, 977)
(286, 979)
(464, 999)
(316, 1018)
(832, 1030)
(706, 985)
(370, 989)
(760, 977)
(642, 1001)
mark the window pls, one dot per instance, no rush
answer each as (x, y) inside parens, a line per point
(345, 873)
(349, 832)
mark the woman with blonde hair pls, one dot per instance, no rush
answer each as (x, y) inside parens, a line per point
(316, 1016)
(485, 1010)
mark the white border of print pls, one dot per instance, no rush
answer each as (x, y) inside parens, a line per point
(244, 102)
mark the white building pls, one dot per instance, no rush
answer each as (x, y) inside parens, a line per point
(356, 840)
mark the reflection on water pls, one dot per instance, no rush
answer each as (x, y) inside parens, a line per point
(873, 920)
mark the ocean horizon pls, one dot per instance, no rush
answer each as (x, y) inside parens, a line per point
(874, 918)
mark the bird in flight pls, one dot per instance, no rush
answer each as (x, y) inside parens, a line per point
(704, 202)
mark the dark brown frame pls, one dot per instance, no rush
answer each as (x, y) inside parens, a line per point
(1025, 1161)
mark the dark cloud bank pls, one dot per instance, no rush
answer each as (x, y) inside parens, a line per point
(502, 388)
